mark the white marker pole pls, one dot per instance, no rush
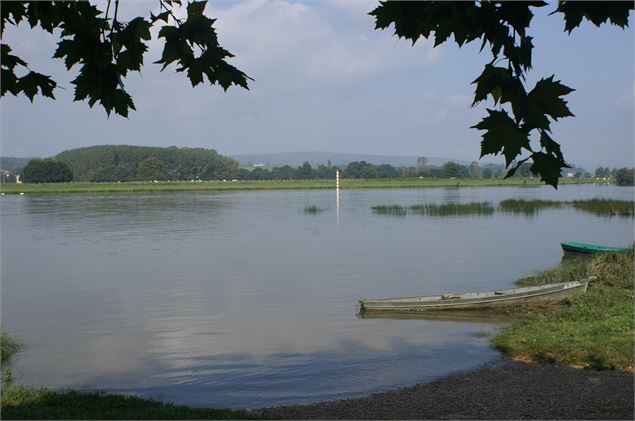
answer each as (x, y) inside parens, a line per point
(337, 197)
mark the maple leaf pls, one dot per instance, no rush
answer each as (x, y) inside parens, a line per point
(502, 135)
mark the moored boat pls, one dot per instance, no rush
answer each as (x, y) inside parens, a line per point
(585, 248)
(476, 300)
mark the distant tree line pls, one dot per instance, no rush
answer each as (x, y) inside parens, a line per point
(622, 176)
(130, 163)
(114, 163)
(366, 170)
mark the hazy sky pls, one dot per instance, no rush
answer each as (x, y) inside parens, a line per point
(325, 80)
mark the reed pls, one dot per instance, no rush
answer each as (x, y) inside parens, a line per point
(394, 210)
(606, 207)
(313, 209)
(527, 207)
(453, 209)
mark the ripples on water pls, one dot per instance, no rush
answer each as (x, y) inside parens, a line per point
(243, 299)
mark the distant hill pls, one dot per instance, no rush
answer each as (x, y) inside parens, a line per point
(340, 159)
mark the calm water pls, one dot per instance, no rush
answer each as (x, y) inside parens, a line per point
(242, 299)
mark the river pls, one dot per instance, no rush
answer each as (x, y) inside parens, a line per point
(243, 299)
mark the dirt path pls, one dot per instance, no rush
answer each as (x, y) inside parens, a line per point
(509, 390)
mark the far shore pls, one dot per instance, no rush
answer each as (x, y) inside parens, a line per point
(226, 185)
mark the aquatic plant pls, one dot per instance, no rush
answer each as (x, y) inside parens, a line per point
(606, 207)
(395, 210)
(313, 209)
(527, 207)
(453, 209)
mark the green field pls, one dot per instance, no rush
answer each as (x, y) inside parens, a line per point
(139, 187)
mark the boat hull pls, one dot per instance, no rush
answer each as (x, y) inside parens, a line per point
(478, 300)
(586, 249)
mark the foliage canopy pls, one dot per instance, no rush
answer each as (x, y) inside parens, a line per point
(106, 49)
(47, 171)
(502, 26)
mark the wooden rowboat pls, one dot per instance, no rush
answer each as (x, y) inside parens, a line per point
(585, 248)
(476, 300)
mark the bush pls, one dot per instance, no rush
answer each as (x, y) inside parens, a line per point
(47, 171)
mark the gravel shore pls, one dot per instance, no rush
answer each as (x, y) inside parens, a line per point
(507, 390)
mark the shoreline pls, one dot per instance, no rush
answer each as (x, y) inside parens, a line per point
(503, 389)
(203, 186)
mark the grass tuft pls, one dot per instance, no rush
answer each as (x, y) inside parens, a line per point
(594, 330)
(527, 207)
(432, 209)
(313, 209)
(395, 210)
(606, 207)
(8, 348)
(453, 209)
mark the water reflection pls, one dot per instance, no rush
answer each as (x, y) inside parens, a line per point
(460, 316)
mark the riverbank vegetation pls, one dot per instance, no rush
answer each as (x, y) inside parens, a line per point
(171, 186)
(126, 163)
(28, 403)
(594, 330)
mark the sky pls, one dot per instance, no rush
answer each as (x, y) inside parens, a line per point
(326, 80)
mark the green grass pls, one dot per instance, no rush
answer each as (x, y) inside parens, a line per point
(19, 402)
(594, 330)
(606, 207)
(135, 187)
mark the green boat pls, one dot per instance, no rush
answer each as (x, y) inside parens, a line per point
(585, 248)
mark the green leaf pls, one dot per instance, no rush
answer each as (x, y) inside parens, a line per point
(597, 12)
(69, 49)
(8, 82)
(544, 100)
(551, 146)
(548, 167)
(9, 60)
(489, 83)
(502, 135)
(33, 81)
(196, 8)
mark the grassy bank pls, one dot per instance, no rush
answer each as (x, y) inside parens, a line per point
(592, 330)
(135, 187)
(31, 403)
